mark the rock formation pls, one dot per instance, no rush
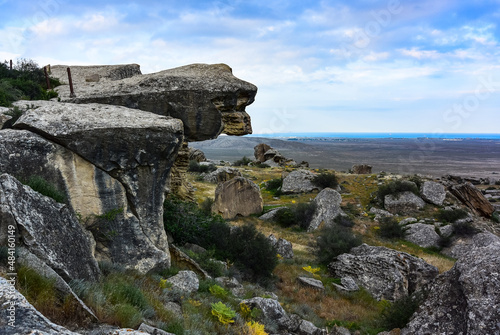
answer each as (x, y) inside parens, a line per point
(470, 196)
(361, 169)
(238, 196)
(327, 208)
(466, 299)
(260, 150)
(207, 98)
(299, 181)
(282, 246)
(423, 235)
(197, 155)
(221, 175)
(433, 192)
(385, 273)
(403, 203)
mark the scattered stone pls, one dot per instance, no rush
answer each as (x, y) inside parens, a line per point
(232, 284)
(299, 181)
(423, 235)
(272, 312)
(311, 282)
(385, 273)
(407, 221)
(337, 330)
(470, 196)
(238, 196)
(185, 281)
(433, 192)
(269, 216)
(282, 246)
(327, 208)
(308, 328)
(446, 231)
(361, 169)
(403, 203)
(347, 284)
(152, 330)
(221, 175)
(380, 213)
(24, 317)
(466, 299)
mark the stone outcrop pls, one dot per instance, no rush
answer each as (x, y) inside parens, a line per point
(238, 196)
(207, 98)
(470, 196)
(197, 155)
(423, 235)
(47, 229)
(271, 312)
(311, 282)
(185, 281)
(282, 246)
(385, 273)
(403, 203)
(24, 317)
(179, 185)
(4, 118)
(327, 204)
(361, 169)
(97, 73)
(222, 174)
(259, 151)
(466, 299)
(299, 181)
(433, 192)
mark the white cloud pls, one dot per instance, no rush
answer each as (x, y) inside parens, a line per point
(97, 22)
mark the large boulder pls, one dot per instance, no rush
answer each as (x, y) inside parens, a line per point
(18, 316)
(282, 246)
(327, 204)
(470, 196)
(361, 169)
(238, 196)
(272, 312)
(403, 203)
(299, 181)
(422, 234)
(47, 229)
(207, 98)
(186, 281)
(222, 174)
(466, 299)
(385, 273)
(433, 192)
(259, 151)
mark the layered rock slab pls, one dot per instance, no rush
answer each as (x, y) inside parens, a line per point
(237, 196)
(208, 99)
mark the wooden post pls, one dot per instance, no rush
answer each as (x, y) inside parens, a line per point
(11, 64)
(72, 92)
(46, 77)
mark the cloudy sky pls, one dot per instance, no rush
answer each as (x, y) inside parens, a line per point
(321, 66)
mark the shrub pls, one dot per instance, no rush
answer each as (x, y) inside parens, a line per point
(206, 206)
(42, 186)
(417, 180)
(127, 315)
(390, 228)
(218, 291)
(223, 313)
(344, 221)
(194, 166)
(496, 217)
(399, 313)
(298, 215)
(243, 161)
(463, 228)
(396, 186)
(274, 186)
(324, 180)
(335, 241)
(451, 215)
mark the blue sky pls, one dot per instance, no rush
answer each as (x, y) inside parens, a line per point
(320, 66)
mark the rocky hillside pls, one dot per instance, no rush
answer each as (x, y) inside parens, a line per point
(111, 224)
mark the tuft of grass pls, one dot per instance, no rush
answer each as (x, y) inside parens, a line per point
(399, 313)
(390, 228)
(325, 179)
(42, 186)
(334, 241)
(451, 215)
(243, 161)
(395, 187)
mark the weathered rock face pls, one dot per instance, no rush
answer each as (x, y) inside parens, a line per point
(327, 208)
(403, 203)
(179, 186)
(232, 284)
(98, 73)
(299, 181)
(423, 235)
(433, 192)
(197, 155)
(385, 273)
(311, 282)
(271, 311)
(48, 229)
(134, 147)
(186, 281)
(466, 299)
(361, 169)
(4, 118)
(470, 196)
(259, 151)
(238, 196)
(221, 175)
(282, 246)
(207, 98)
(24, 316)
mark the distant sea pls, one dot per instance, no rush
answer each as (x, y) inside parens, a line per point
(382, 135)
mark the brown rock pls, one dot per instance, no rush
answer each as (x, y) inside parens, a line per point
(238, 196)
(179, 186)
(361, 169)
(259, 151)
(470, 196)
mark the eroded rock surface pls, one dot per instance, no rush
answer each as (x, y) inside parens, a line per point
(299, 181)
(238, 196)
(433, 192)
(327, 208)
(470, 196)
(403, 203)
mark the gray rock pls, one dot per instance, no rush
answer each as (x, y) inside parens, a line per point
(446, 231)
(238, 196)
(327, 208)
(311, 282)
(282, 246)
(222, 174)
(404, 203)
(174, 308)
(466, 299)
(207, 98)
(423, 235)
(385, 273)
(47, 229)
(308, 328)
(232, 284)
(347, 284)
(407, 221)
(299, 181)
(18, 316)
(470, 196)
(127, 331)
(4, 118)
(79, 74)
(336, 330)
(272, 312)
(361, 169)
(433, 192)
(380, 213)
(180, 259)
(269, 216)
(152, 330)
(186, 281)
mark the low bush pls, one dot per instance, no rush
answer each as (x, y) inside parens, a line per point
(496, 217)
(395, 187)
(274, 186)
(399, 313)
(344, 221)
(299, 215)
(463, 228)
(334, 241)
(390, 228)
(244, 161)
(451, 215)
(325, 179)
(194, 166)
(42, 186)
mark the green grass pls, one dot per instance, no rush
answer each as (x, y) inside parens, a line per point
(42, 186)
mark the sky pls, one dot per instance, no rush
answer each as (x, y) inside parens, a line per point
(320, 66)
